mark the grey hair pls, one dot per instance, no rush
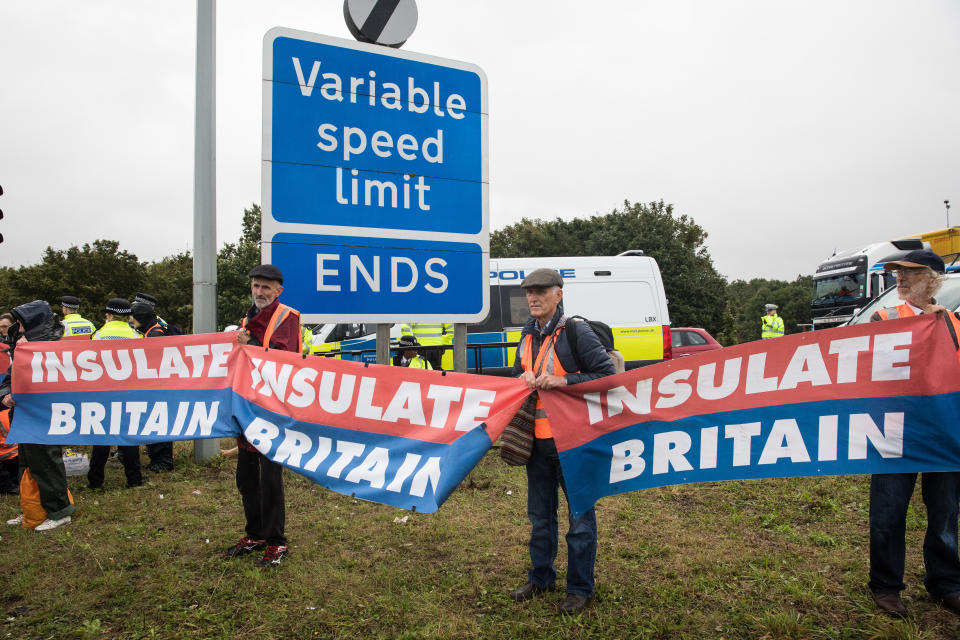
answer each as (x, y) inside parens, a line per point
(935, 281)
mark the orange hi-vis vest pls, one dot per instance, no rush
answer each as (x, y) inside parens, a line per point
(905, 311)
(547, 362)
(7, 451)
(279, 315)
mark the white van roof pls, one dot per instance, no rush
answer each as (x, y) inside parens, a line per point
(576, 268)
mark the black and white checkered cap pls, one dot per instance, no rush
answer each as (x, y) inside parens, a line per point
(145, 297)
(118, 306)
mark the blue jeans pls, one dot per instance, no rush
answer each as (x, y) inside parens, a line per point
(543, 479)
(889, 497)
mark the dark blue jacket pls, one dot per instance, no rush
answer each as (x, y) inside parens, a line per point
(596, 362)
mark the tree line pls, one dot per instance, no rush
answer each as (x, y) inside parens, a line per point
(698, 295)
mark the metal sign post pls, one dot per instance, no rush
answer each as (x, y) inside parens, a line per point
(204, 191)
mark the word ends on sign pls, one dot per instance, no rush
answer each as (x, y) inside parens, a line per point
(360, 278)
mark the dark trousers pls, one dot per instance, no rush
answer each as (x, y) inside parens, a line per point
(161, 454)
(10, 475)
(46, 466)
(130, 456)
(433, 356)
(889, 498)
(260, 482)
(543, 479)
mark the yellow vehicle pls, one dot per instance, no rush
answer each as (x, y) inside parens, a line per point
(943, 242)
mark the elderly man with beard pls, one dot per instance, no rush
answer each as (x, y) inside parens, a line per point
(919, 276)
(547, 358)
(268, 323)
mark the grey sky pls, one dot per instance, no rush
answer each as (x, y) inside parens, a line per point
(785, 129)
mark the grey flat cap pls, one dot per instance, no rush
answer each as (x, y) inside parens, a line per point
(542, 278)
(267, 272)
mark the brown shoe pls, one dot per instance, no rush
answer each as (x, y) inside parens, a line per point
(890, 603)
(575, 603)
(527, 591)
(950, 603)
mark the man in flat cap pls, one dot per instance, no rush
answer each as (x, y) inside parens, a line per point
(919, 277)
(116, 327)
(270, 324)
(75, 326)
(545, 360)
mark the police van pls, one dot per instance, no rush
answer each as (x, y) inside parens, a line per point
(624, 291)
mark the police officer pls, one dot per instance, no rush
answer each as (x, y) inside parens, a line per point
(117, 322)
(430, 334)
(144, 320)
(117, 327)
(74, 325)
(407, 355)
(147, 299)
(771, 325)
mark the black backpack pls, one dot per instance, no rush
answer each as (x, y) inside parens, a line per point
(603, 332)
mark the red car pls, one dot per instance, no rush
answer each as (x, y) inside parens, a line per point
(687, 341)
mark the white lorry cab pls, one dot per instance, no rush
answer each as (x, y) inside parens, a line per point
(848, 280)
(624, 291)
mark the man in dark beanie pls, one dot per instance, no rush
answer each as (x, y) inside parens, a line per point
(35, 322)
(145, 321)
(260, 480)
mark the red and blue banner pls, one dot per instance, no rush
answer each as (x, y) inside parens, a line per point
(403, 437)
(876, 398)
(882, 397)
(123, 392)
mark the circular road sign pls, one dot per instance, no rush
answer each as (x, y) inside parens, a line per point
(386, 22)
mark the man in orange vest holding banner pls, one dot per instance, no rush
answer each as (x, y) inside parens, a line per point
(919, 276)
(545, 360)
(271, 324)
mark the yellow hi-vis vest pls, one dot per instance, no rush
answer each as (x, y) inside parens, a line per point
(428, 334)
(771, 327)
(116, 330)
(75, 326)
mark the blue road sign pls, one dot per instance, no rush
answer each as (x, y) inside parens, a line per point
(375, 181)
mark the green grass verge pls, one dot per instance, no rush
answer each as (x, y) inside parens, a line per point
(756, 559)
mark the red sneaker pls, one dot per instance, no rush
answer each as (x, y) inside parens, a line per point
(244, 546)
(272, 556)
